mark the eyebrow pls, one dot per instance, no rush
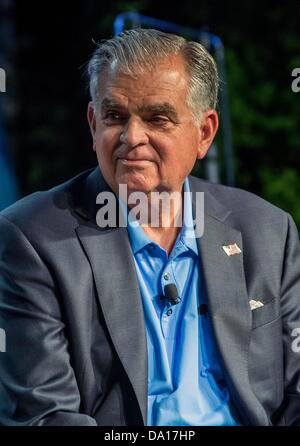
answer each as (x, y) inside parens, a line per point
(110, 103)
(163, 108)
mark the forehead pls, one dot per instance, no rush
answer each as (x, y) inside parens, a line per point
(167, 82)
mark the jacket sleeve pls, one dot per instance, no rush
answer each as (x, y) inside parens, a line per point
(37, 383)
(290, 312)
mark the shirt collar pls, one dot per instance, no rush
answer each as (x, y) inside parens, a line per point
(137, 236)
(187, 233)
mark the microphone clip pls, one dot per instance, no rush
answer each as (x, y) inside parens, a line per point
(171, 294)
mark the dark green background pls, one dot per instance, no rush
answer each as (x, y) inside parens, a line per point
(47, 124)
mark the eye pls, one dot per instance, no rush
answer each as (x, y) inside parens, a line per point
(113, 117)
(159, 119)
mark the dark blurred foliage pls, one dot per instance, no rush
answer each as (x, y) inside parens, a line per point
(53, 40)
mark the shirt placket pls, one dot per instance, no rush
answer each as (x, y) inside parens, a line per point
(170, 312)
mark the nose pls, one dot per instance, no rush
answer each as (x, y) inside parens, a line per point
(134, 133)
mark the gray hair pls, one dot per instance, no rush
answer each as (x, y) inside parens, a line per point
(137, 50)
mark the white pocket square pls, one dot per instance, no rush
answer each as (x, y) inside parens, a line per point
(255, 304)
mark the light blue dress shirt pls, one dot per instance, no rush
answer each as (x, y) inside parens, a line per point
(186, 386)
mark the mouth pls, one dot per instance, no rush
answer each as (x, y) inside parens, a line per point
(135, 162)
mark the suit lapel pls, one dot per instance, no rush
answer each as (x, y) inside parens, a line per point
(109, 254)
(228, 304)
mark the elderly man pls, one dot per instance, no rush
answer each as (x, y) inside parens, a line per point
(144, 324)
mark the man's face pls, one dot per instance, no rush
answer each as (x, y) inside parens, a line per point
(143, 130)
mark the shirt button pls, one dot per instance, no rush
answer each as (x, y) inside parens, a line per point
(169, 312)
(166, 277)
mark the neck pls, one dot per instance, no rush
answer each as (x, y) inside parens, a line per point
(164, 237)
(159, 213)
(165, 219)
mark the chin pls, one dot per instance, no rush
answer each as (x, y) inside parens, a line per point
(136, 184)
(135, 187)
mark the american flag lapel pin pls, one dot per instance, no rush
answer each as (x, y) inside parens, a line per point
(231, 250)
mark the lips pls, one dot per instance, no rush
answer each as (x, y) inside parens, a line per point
(135, 161)
(132, 157)
(135, 158)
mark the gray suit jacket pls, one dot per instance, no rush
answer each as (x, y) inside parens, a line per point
(76, 349)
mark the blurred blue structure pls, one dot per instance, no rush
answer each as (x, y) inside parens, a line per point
(8, 184)
(213, 44)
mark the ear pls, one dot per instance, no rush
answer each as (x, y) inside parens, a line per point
(208, 129)
(92, 121)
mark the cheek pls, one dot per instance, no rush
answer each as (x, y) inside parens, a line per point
(106, 141)
(181, 152)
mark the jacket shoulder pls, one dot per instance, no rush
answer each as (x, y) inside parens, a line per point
(239, 201)
(45, 206)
